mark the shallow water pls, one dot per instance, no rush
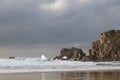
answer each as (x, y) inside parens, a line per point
(113, 75)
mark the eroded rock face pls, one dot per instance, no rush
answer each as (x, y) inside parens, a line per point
(71, 54)
(106, 48)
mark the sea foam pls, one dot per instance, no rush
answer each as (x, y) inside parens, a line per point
(18, 65)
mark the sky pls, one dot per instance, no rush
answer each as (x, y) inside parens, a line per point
(30, 28)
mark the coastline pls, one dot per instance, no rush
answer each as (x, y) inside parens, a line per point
(60, 70)
(73, 75)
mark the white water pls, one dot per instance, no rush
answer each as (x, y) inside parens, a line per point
(37, 65)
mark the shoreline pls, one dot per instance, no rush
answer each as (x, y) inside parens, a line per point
(56, 71)
(71, 75)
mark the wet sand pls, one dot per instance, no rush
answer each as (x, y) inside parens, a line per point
(109, 75)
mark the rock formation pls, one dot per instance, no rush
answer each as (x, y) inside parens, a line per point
(71, 54)
(106, 48)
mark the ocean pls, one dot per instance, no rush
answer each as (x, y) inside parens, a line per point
(37, 69)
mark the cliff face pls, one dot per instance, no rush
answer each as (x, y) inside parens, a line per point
(106, 48)
(71, 54)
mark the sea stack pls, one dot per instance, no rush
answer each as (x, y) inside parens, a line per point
(73, 53)
(106, 48)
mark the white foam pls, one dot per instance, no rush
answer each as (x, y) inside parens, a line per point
(43, 58)
(38, 65)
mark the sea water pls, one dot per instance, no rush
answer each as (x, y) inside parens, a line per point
(20, 65)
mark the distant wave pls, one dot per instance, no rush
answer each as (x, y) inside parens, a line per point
(37, 65)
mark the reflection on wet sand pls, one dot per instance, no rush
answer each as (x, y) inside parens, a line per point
(114, 75)
(91, 76)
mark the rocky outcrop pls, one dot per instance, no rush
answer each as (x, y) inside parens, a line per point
(71, 54)
(106, 48)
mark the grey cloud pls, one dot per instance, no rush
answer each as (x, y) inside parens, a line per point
(24, 23)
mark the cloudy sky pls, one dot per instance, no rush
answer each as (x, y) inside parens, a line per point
(35, 27)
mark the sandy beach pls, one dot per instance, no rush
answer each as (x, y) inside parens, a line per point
(99, 75)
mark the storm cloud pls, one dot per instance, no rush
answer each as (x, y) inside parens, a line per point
(35, 27)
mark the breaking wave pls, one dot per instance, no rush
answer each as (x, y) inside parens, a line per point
(37, 65)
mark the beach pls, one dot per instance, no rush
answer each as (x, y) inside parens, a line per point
(35, 69)
(99, 75)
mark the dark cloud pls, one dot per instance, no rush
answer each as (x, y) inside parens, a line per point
(56, 22)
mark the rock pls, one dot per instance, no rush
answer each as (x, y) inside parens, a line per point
(71, 54)
(106, 48)
(11, 57)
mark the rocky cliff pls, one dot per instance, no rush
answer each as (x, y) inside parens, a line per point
(71, 54)
(106, 48)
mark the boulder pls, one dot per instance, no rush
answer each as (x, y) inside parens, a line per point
(71, 54)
